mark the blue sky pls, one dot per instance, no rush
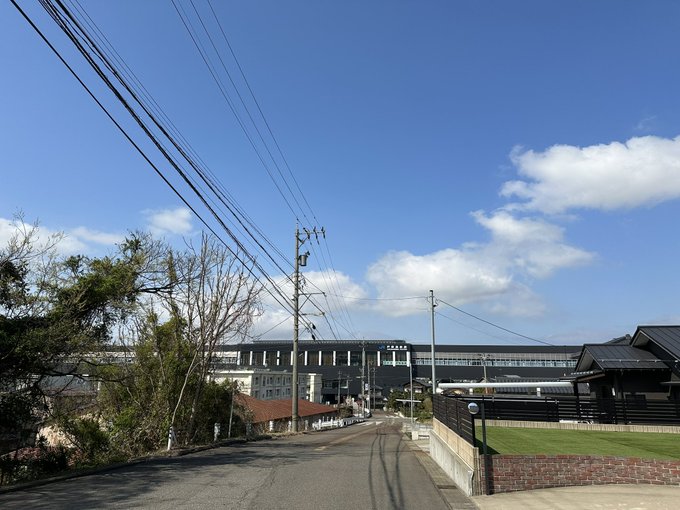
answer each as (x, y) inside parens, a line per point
(518, 158)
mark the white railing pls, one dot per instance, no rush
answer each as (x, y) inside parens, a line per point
(335, 424)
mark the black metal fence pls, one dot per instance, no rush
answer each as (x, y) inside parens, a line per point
(554, 409)
(453, 413)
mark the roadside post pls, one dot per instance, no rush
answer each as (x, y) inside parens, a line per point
(474, 408)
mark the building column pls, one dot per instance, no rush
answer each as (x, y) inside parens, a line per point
(334, 359)
(379, 361)
(251, 358)
(306, 358)
(264, 358)
(408, 358)
(394, 358)
(349, 358)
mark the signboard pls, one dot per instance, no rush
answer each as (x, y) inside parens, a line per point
(393, 347)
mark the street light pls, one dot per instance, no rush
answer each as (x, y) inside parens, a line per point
(474, 409)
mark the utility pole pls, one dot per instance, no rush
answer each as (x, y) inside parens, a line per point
(434, 380)
(296, 330)
(300, 261)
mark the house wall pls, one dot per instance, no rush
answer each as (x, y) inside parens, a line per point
(265, 384)
(629, 383)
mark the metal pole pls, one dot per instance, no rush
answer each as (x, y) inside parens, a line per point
(363, 379)
(487, 480)
(410, 376)
(231, 411)
(434, 380)
(296, 325)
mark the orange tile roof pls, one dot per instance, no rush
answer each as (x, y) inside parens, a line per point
(266, 410)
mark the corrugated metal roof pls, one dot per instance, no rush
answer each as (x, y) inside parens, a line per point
(667, 337)
(615, 356)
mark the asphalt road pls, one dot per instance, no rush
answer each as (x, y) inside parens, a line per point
(365, 466)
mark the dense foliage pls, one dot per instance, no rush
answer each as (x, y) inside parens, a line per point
(139, 329)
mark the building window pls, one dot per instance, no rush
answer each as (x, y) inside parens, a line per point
(355, 359)
(244, 357)
(327, 358)
(257, 359)
(371, 359)
(271, 358)
(284, 359)
(341, 358)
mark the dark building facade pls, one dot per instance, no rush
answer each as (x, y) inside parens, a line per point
(645, 365)
(389, 364)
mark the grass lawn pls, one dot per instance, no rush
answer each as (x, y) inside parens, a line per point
(521, 441)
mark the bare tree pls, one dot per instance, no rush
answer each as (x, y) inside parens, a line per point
(217, 299)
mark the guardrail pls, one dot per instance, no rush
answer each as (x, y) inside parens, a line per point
(339, 423)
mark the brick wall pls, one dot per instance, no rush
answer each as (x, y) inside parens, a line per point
(525, 472)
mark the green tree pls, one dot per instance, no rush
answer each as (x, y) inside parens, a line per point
(56, 318)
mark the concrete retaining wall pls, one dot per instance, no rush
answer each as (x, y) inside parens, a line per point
(455, 456)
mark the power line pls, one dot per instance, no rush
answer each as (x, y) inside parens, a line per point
(67, 28)
(494, 325)
(468, 326)
(206, 60)
(382, 299)
(193, 33)
(97, 46)
(252, 94)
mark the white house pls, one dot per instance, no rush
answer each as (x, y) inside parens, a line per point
(267, 384)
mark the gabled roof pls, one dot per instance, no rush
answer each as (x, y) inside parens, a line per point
(621, 340)
(666, 337)
(617, 357)
(266, 410)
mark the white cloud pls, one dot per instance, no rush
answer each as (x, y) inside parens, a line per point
(338, 287)
(529, 244)
(643, 171)
(341, 294)
(491, 273)
(69, 242)
(457, 274)
(96, 236)
(646, 124)
(169, 221)
(481, 272)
